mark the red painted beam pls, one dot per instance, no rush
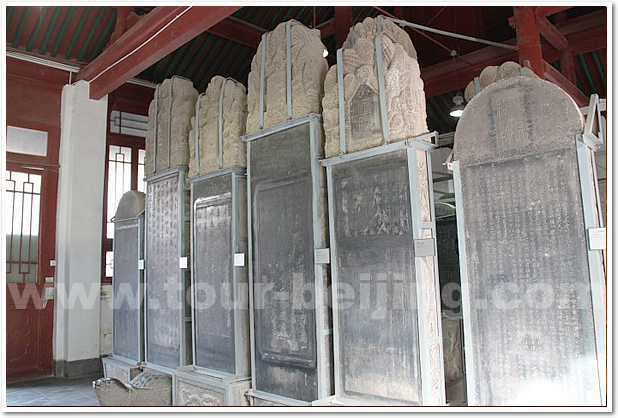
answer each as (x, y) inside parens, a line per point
(567, 66)
(528, 38)
(327, 28)
(543, 11)
(169, 27)
(552, 34)
(238, 31)
(553, 75)
(343, 22)
(439, 78)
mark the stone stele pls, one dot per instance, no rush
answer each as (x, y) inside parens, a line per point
(308, 71)
(405, 98)
(234, 117)
(182, 109)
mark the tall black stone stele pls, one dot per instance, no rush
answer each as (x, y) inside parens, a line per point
(532, 292)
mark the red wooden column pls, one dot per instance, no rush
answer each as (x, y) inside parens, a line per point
(529, 39)
(343, 22)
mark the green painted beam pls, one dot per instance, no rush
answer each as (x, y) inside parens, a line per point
(20, 28)
(78, 32)
(10, 10)
(176, 58)
(191, 53)
(196, 62)
(37, 30)
(582, 62)
(93, 29)
(600, 69)
(104, 37)
(62, 31)
(50, 29)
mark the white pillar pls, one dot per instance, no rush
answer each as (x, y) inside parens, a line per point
(79, 231)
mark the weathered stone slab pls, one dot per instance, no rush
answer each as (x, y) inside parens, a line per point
(531, 333)
(234, 118)
(128, 316)
(222, 323)
(308, 71)
(291, 353)
(175, 102)
(166, 304)
(405, 98)
(386, 331)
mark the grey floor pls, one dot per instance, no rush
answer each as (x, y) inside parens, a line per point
(52, 391)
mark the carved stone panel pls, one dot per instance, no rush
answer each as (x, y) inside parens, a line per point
(404, 96)
(189, 393)
(175, 104)
(234, 118)
(308, 71)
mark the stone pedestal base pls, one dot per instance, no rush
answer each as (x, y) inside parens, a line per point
(192, 388)
(259, 398)
(120, 370)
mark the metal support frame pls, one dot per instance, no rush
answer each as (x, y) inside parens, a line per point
(321, 334)
(156, 126)
(586, 145)
(411, 146)
(452, 34)
(288, 67)
(381, 87)
(465, 290)
(340, 93)
(182, 252)
(220, 122)
(196, 131)
(237, 173)
(263, 45)
(169, 122)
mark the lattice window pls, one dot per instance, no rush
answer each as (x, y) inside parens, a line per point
(22, 221)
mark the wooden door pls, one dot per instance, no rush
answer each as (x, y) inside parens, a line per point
(29, 224)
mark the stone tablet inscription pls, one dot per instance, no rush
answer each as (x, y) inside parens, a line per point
(530, 303)
(163, 286)
(214, 322)
(127, 297)
(377, 328)
(365, 113)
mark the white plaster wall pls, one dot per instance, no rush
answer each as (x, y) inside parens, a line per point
(79, 232)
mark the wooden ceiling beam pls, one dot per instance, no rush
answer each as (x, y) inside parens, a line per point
(556, 77)
(440, 78)
(156, 35)
(544, 11)
(238, 31)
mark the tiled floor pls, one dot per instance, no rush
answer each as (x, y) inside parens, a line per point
(51, 391)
